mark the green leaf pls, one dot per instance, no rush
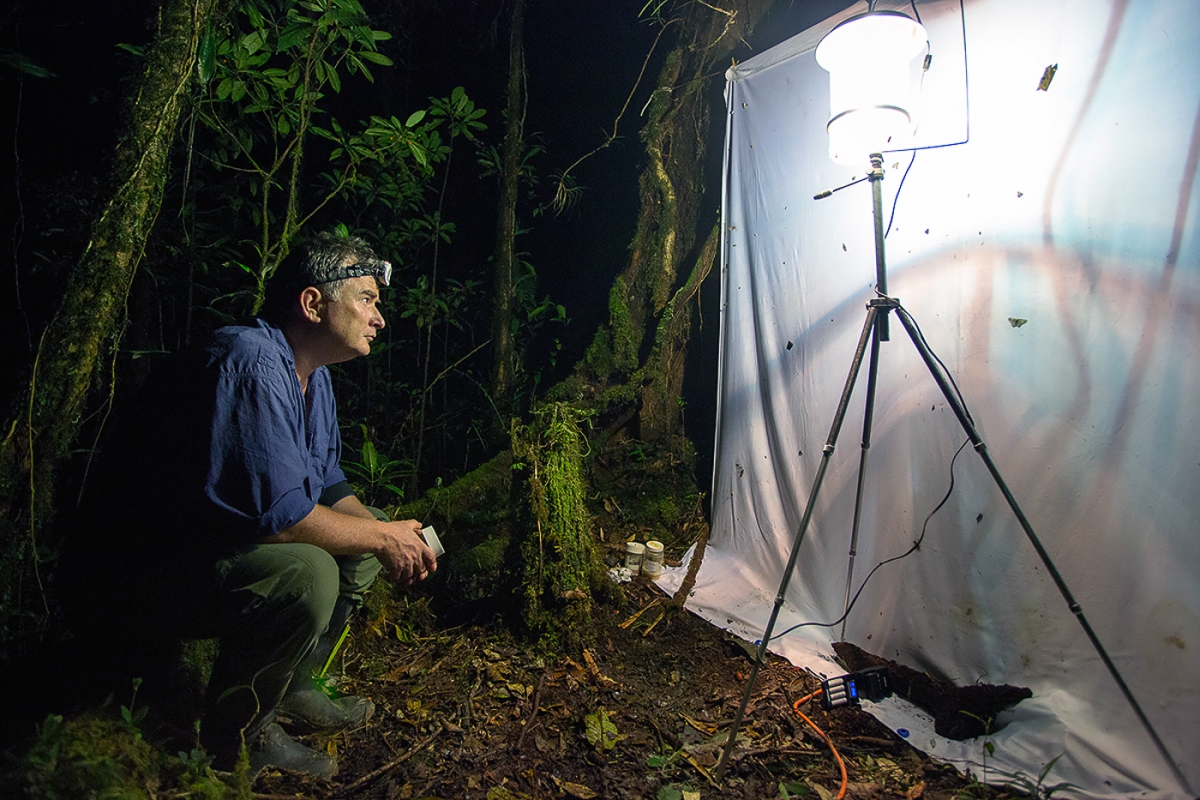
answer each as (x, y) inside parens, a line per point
(370, 457)
(252, 42)
(419, 153)
(206, 56)
(601, 732)
(414, 118)
(256, 17)
(376, 58)
(361, 67)
(1049, 766)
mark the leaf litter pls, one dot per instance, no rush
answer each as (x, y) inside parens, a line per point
(470, 713)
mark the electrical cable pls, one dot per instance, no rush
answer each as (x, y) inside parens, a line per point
(837, 756)
(967, 101)
(962, 14)
(949, 377)
(912, 549)
(896, 199)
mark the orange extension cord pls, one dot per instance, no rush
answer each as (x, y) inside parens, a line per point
(841, 764)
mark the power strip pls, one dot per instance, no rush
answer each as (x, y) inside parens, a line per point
(846, 690)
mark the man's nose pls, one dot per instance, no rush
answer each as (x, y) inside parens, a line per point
(378, 321)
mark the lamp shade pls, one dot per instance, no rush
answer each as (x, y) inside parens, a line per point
(875, 61)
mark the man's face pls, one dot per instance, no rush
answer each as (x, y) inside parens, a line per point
(353, 319)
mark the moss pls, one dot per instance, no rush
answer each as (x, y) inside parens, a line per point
(559, 563)
(89, 756)
(197, 658)
(487, 556)
(599, 357)
(479, 497)
(99, 755)
(625, 337)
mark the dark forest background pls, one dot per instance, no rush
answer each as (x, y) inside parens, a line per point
(545, 178)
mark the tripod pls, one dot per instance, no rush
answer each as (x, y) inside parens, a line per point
(875, 330)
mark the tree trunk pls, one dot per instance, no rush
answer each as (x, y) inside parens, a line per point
(85, 330)
(503, 350)
(632, 375)
(635, 362)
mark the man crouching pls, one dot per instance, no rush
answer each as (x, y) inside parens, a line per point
(223, 512)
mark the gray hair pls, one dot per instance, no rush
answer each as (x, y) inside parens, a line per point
(332, 291)
(311, 265)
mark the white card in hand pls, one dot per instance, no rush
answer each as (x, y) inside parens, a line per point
(431, 538)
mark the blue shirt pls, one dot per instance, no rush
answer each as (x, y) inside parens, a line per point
(272, 449)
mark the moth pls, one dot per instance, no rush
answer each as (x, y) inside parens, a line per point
(1047, 76)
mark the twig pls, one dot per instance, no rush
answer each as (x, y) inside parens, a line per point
(537, 697)
(875, 740)
(689, 580)
(657, 620)
(635, 617)
(453, 366)
(612, 137)
(373, 775)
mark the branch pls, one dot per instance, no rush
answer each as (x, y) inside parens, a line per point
(560, 190)
(453, 366)
(352, 789)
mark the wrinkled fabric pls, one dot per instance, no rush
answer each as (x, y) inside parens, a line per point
(1053, 265)
(273, 449)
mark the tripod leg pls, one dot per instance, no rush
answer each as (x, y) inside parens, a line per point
(969, 428)
(872, 377)
(873, 312)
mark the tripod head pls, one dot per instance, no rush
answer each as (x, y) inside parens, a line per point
(875, 176)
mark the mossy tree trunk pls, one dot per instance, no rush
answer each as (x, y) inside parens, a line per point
(636, 361)
(558, 567)
(84, 332)
(632, 374)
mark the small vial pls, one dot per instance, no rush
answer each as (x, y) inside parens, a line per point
(653, 560)
(633, 556)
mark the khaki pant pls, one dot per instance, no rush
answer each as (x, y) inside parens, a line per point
(267, 604)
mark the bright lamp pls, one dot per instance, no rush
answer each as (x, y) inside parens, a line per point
(875, 61)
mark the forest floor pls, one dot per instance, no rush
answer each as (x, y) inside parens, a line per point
(469, 713)
(464, 711)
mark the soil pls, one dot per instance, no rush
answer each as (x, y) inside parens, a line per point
(467, 712)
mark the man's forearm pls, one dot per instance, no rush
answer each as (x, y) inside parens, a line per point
(338, 530)
(348, 528)
(352, 506)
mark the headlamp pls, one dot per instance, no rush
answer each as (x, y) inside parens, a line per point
(380, 270)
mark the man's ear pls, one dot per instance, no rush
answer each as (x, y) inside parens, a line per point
(312, 304)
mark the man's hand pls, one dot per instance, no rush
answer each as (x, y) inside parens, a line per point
(404, 555)
(353, 529)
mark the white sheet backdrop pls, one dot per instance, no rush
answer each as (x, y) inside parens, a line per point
(1074, 209)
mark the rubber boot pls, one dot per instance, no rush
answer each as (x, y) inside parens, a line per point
(305, 707)
(275, 749)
